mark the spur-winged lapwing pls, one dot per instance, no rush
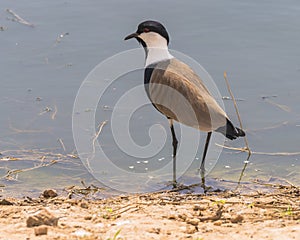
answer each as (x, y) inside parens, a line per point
(177, 91)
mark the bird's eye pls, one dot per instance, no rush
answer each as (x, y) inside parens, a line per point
(146, 30)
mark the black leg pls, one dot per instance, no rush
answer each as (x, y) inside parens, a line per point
(174, 143)
(202, 167)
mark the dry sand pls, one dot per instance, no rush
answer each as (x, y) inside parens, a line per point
(164, 215)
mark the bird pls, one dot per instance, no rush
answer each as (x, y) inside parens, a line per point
(177, 92)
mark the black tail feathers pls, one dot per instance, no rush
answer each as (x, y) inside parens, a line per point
(230, 131)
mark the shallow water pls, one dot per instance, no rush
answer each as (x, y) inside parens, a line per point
(255, 42)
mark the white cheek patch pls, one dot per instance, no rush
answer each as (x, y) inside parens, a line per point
(157, 47)
(153, 39)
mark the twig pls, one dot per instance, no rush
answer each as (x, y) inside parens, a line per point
(54, 113)
(16, 171)
(237, 112)
(62, 144)
(241, 125)
(133, 206)
(86, 190)
(260, 153)
(18, 19)
(215, 217)
(276, 184)
(45, 110)
(229, 98)
(100, 126)
(281, 106)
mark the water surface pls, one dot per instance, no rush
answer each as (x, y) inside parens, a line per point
(42, 68)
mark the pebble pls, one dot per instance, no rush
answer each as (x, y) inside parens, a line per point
(192, 221)
(155, 230)
(5, 202)
(41, 230)
(218, 223)
(172, 217)
(198, 207)
(84, 205)
(190, 229)
(237, 219)
(42, 217)
(182, 216)
(49, 193)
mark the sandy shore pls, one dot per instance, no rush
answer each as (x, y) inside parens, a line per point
(164, 215)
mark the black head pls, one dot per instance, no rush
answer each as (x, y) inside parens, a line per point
(150, 26)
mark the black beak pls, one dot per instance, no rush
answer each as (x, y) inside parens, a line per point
(133, 35)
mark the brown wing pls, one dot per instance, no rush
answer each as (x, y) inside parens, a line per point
(177, 91)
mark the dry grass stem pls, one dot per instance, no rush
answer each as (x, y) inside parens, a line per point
(237, 112)
(276, 185)
(38, 158)
(260, 153)
(45, 110)
(54, 113)
(13, 174)
(241, 125)
(33, 154)
(18, 19)
(85, 190)
(62, 144)
(100, 126)
(280, 106)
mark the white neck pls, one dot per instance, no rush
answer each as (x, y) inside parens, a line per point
(157, 48)
(155, 55)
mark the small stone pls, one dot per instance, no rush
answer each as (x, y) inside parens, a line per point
(84, 205)
(124, 197)
(41, 230)
(49, 193)
(192, 221)
(154, 230)
(5, 202)
(88, 217)
(2, 28)
(237, 219)
(217, 223)
(172, 217)
(206, 229)
(197, 207)
(182, 216)
(190, 229)
(42, 217)
(228, 225)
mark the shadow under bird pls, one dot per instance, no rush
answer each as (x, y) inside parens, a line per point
(177, 91)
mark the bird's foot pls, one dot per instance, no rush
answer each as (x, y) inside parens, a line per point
(174, 184)
(206, 188)
(203, 185)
